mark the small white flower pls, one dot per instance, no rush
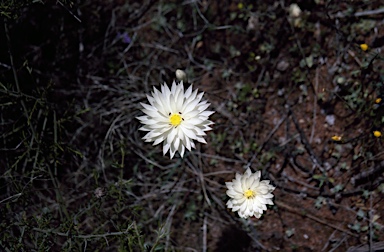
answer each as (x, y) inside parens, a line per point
(294, 10)
(175, 118)
(181, 75)
(249, 195)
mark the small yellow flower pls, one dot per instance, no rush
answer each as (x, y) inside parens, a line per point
(336, 138)
(377, 133)
(364, 47)
(240, 6)
(378, 100)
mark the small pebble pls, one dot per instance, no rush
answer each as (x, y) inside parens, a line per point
(330, 120)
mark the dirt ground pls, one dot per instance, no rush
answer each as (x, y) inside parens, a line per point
(296, 94)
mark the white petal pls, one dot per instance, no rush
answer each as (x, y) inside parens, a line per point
(187, 143)
(171, 135)
(176, 144)
(181, 150)
(206, 113)
(237, 187)
(166, 147)
(201, 140)
(189, 133)
(148, 107)
(172, 152)
(188, 92)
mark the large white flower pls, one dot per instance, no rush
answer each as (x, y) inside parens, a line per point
(175, 118)
(249, 195)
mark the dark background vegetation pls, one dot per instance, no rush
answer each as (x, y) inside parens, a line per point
(76, 176)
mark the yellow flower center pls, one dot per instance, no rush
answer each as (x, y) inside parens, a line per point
(175, 119)
(249, 194)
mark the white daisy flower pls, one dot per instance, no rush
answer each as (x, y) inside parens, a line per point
(249, 195)
(175, 118)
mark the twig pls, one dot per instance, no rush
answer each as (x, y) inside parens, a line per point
(70, 12)
(253, 237)
(353, 55)
(205, 234)
(200, 175)
(5, 65)
(329, 238)
(273, 131)
(312, 217)
(360, 13)
(314, 105)
(370, 222)
(307, 146)
(201, 14)
(369, 12)
(52, 231)
(225, 159)
(315, 194)
(368, 175)
(169, 225)
(335, 246)
(11, 197)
